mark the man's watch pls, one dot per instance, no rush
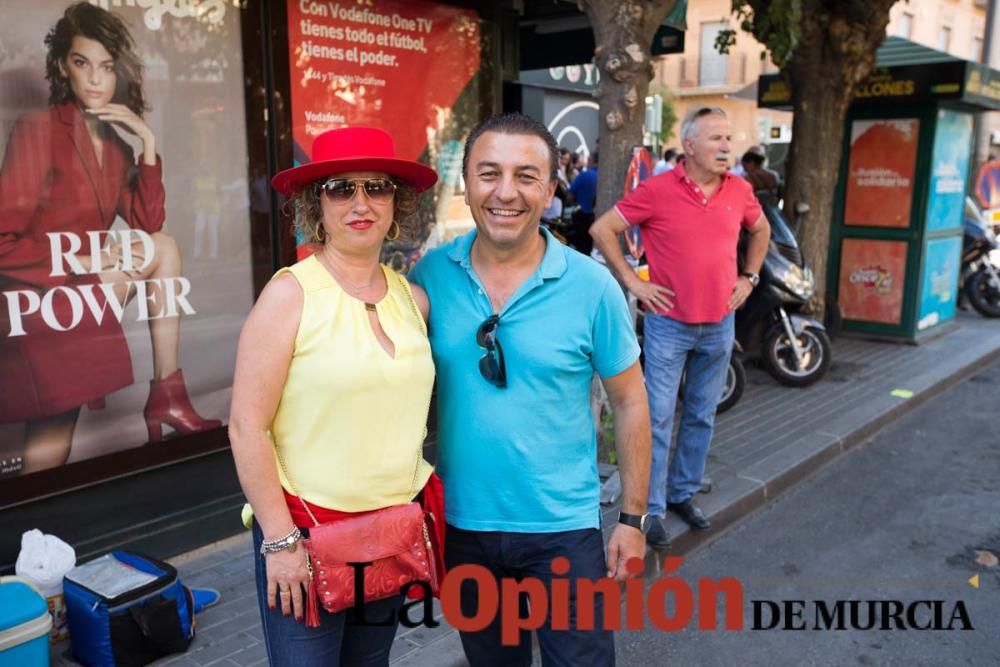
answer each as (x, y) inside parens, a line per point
(640, 521)
(754, 278)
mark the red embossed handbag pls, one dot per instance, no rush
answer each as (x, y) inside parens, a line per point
(396, 543)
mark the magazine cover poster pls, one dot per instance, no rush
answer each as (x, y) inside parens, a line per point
(124, 226)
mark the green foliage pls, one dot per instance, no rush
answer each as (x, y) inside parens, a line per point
(774, 23)
(668, 114)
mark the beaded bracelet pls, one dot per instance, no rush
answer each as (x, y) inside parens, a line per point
(286, 543)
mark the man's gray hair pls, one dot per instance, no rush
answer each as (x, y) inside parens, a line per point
(693, 114)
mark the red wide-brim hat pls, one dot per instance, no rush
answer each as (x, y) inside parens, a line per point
(353, 149)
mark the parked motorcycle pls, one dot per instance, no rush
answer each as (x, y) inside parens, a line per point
(980, 261)
(793, 348)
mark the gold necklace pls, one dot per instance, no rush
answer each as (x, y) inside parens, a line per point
(354, 289)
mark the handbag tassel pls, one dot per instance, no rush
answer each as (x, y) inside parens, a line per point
(312, 597)
(312, 607)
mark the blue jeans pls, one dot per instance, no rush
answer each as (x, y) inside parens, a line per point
(702, 351)
(520, 555)
(339, 641)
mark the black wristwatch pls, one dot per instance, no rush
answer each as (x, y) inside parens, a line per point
(640, 521)
(754, 278)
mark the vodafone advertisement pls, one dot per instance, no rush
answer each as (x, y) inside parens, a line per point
(872, 275)
(409, 68)
(880, 172)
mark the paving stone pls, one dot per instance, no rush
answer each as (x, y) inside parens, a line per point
(218, 651)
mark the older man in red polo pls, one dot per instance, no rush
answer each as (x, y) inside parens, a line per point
(690, 219)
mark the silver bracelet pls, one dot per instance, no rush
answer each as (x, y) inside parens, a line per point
(286, 543)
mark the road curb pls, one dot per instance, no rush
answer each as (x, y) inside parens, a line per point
(732, 505)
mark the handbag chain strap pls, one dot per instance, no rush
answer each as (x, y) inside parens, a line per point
(420, 445)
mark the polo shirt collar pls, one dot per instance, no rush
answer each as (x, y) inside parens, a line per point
(553, 263)
(680, 173)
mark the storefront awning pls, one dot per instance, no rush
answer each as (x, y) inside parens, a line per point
(907, 73)
(559, 34)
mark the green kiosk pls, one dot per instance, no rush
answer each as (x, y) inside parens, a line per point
(896, 240)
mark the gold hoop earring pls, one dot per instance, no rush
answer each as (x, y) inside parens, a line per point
(320, 235)
(393, 231)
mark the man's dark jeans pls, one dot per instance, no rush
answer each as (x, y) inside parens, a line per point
(522, 555)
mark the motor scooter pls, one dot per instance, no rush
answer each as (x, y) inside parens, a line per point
(793, 348)
(980, 261)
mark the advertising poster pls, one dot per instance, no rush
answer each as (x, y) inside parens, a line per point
(939, 282)
(949, 170)
(409, 67)
(872, 275)
(880, 172)
(124, 226)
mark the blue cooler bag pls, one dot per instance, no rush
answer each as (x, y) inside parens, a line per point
(125, 609)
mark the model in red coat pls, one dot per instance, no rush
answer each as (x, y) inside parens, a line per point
(67, 170)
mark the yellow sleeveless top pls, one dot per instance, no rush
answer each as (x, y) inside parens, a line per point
(351, 420)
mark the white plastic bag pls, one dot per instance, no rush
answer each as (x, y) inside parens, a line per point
(44, 559)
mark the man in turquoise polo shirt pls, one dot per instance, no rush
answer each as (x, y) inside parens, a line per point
(519, 324)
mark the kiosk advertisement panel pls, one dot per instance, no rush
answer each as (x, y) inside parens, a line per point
(880, 172)
(939, 282)
(872, 275)
(949, 170)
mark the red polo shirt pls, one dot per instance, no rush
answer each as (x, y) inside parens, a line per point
(691, 240)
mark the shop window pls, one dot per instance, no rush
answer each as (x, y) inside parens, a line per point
(126, 262)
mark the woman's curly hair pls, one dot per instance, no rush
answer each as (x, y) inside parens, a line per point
(86, 20)
(307, 208)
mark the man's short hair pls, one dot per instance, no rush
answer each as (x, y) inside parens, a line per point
(669, 154)
(693, 114)
(513, 123)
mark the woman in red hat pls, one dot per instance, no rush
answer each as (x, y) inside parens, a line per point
(332, 388)
(67, 171)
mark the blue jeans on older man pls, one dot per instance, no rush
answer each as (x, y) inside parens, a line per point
(701, 351)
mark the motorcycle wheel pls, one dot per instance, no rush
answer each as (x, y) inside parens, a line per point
(779, 358)
(985, 298)
(736, 380)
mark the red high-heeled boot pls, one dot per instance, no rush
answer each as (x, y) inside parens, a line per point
(169, 404)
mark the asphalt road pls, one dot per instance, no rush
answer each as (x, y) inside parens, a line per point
(902, 517)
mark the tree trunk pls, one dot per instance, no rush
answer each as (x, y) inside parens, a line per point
(836, 52)
(623, 33)
(814, 163)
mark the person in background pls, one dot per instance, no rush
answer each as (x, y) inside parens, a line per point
(332, 389)
(760, 177)
(666, 163)
(583, 191)
(690, 219)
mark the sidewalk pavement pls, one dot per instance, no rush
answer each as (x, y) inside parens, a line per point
(774, 438)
